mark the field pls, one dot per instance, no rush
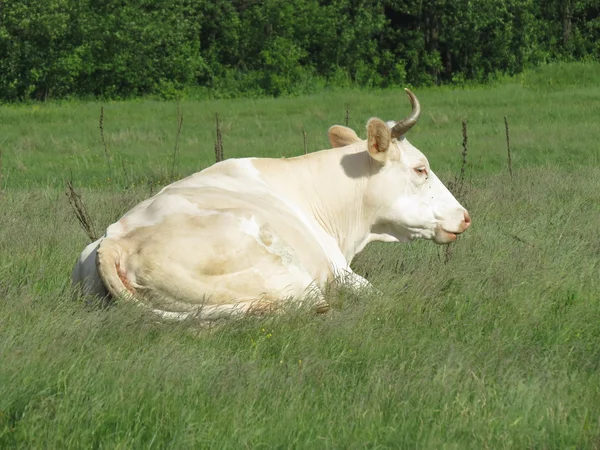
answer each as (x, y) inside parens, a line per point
(492, 343)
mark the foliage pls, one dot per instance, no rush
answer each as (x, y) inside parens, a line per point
(56, 48)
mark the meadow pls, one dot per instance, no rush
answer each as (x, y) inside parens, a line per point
(491, 343)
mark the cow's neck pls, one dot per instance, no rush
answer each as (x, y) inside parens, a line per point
(328, 186)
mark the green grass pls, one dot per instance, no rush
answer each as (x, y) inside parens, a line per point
(497, 348)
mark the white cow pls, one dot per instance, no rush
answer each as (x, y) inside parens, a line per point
(249, 233)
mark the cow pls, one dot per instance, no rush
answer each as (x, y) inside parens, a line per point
(246, 234)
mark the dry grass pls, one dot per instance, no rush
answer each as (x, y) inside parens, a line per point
(81, 212)
(219, 141)
(508, 147)
(176, 148)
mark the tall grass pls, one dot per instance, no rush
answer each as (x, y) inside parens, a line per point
(498, 348)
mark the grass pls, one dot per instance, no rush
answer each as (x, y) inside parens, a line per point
(498, 348)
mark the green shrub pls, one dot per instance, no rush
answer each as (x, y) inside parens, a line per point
(60, 48)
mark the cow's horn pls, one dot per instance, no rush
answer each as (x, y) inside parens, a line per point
(406, 124)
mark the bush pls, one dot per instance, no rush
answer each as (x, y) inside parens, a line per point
(59, 48)
(53, 48)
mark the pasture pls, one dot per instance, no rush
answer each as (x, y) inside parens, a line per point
(493, 343)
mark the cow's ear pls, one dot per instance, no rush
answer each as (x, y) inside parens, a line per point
(379, 138)
(340, 136)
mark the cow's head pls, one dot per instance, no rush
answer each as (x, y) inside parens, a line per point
(407, 198)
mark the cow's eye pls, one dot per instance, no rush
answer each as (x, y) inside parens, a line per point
(421, 171)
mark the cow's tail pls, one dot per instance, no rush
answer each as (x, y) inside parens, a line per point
(110, 263)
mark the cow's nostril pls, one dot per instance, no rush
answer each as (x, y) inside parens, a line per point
(467, 220)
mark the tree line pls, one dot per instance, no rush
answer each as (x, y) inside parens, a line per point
(126, 48)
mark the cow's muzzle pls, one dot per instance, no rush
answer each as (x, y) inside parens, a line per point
(443, 236)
